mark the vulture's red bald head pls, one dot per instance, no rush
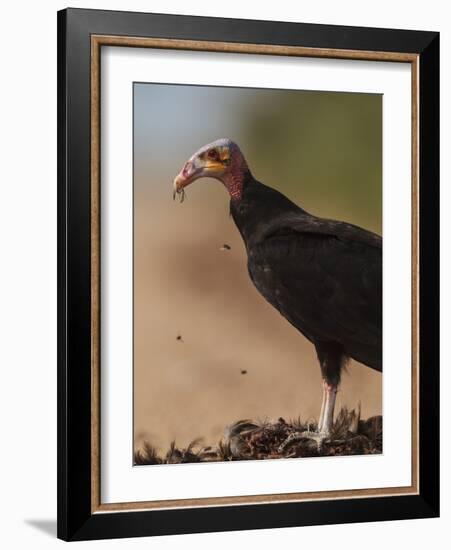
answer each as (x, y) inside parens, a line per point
(223, 160)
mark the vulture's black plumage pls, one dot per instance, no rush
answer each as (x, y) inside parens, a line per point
(323, 276)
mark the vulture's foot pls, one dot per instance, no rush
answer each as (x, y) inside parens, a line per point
(317, 437)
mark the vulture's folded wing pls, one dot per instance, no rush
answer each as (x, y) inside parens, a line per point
(325, 277)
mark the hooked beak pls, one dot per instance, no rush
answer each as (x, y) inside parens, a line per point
(192, 170)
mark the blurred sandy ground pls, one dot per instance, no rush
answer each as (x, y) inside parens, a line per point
(184, 285)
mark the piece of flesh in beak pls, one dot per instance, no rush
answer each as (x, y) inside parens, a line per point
(177, 188)
(188, 174)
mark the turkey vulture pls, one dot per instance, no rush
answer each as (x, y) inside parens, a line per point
(323, 276)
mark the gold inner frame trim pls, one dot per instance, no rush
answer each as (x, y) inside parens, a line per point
(97, 41)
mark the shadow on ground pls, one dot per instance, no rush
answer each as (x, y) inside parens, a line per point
(47, 526)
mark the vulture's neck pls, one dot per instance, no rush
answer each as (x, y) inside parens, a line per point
(236, 181)
(237, 178)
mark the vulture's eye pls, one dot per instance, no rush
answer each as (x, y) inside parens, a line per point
(213, 154)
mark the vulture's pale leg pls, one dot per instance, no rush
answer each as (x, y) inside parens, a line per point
(325, 422)
(323, 406)
(331, 358)
(327, 414)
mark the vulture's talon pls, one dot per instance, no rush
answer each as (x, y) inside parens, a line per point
(318, 437)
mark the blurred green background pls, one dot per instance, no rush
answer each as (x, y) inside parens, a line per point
(321, 149)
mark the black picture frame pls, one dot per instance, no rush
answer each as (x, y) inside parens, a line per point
(76, 520)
